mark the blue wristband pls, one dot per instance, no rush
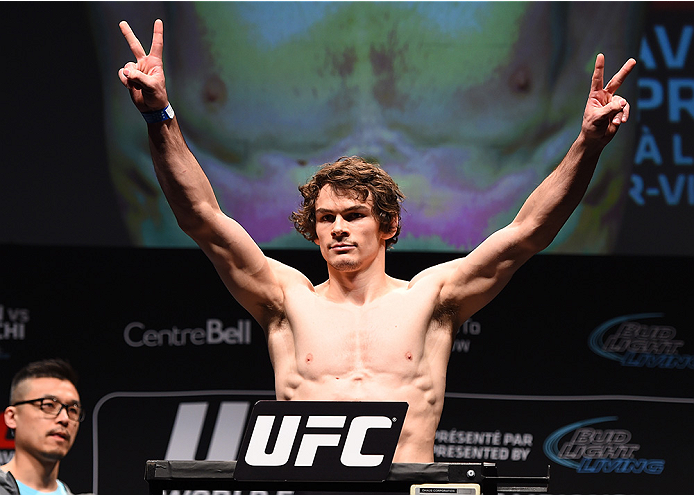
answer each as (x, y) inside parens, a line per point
(160, 115)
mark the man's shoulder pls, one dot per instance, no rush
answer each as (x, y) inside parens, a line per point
(285, 271)
(67, 488)
(437, 274)
(288, 277)
(8, 486)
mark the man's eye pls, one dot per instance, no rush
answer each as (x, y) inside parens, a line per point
(49, 406)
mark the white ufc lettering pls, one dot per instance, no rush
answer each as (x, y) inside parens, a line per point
(351, 455)
(257, 455)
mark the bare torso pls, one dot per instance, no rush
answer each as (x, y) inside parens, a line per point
(392, 348)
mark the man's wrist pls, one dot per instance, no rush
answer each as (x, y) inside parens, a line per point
(587, 146)
(166, 113)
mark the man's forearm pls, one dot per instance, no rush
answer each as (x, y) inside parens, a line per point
(551, 204)
(185, 185)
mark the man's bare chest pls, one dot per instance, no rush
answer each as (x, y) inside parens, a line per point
(391, 331)
(406, 310)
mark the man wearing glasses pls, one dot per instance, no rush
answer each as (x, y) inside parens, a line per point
(44, 413)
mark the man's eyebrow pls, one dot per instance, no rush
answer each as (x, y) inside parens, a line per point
(53, 397)
(358, 207)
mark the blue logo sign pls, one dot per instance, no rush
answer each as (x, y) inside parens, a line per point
(632, 342)
(589, 450)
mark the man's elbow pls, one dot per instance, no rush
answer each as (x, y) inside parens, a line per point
(195, 224)
(536, 239)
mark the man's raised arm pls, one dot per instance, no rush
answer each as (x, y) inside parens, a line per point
(478, 278)
(548, 208)
(238, 260)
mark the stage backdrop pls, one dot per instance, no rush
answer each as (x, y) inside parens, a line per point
(585, 364)
(467, 104)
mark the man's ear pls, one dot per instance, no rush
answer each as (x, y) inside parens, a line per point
(392, 230)
(10, 417)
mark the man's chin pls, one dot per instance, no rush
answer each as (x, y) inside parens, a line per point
(55, 455)
(344, 265)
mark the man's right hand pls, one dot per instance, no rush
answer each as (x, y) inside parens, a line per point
(145, 78)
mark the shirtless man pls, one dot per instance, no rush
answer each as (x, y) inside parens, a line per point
(363, 335)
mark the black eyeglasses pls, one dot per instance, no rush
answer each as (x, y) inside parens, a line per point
(51, 406)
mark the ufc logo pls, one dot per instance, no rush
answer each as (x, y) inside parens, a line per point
(257, 455)
(320, 441)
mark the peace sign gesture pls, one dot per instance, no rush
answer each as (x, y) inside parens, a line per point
(145, 78)
(605, 110)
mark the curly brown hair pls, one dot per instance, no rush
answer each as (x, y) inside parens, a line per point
(359, 177)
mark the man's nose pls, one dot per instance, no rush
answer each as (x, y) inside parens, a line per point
(62, 416)
(339, 227)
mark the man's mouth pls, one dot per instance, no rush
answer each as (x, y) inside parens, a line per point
(341, 246)
(59, 434)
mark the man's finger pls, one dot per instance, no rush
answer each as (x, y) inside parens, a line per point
(136, 77)
(613, 111)
(123, 78)
(596, 81)
(625, 113)
(157, 49)
(133, 42)
(618, 79)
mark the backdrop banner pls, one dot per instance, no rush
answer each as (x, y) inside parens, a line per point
(582, 363)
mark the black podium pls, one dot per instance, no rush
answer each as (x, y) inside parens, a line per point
(219, 475)
(357, 441)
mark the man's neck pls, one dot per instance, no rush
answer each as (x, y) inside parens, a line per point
(357, 287)
(34, 473)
